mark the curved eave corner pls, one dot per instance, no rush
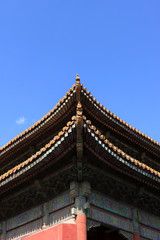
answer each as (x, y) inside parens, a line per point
(133, 165)
(58, 142)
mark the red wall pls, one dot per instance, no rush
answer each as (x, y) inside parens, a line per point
(60, 232)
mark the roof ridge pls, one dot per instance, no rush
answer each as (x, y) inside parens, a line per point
(119, 151)
(39, 152)
(119, 119)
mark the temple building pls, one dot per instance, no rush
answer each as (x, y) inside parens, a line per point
(80, 173)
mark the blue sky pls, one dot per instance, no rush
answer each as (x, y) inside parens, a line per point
(114, 46)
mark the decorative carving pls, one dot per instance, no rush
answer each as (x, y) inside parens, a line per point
(74, 190)
(60, 215)
(77, 79)
(79, 118)
(86, 189)
(78, 88)
(24, 230)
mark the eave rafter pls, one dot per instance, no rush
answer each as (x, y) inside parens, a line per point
(80, 132)
(76, 94)
(119, 160)
(56, 149)
(84, 134)
(61, 109)
(112, 121)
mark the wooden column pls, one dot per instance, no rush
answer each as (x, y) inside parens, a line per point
(135, 222)
(136, 236)
(81, 219)
(80, 194)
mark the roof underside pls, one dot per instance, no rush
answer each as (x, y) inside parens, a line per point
(93, 140)
(65, 141)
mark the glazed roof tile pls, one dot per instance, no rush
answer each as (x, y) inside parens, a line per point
(106, 111)
(51, 143)
(118, 151)
(59, 107)
(38, 124)
(91, 128)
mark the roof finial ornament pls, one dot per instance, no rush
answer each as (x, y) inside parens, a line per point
(78, 88)
(77, 79)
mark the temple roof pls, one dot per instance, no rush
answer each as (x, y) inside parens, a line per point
(52, 114)
(78, 93)
(59, 109)
(59, 144)
(72, 142)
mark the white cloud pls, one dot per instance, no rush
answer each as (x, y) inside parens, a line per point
(21, 120)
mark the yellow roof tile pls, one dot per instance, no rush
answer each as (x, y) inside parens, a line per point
(30, 159)
(121, 121)
(120, 152)
(37, 123)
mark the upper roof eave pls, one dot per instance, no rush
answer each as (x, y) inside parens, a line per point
(119, 121)
(43, 151)
(120, 152)
(95, 134)
(39, 124)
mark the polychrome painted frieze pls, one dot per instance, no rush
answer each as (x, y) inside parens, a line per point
(59, 202)
(24, 230)
(32, 214)
(149, 233)
(25, 217)
(149, 220)
(106, 203)
(59, 216)
(111, 219)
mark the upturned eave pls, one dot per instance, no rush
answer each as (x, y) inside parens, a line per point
(63, 109)
(113, 122)
(53, 151)
(60, 111)
(93, 140)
